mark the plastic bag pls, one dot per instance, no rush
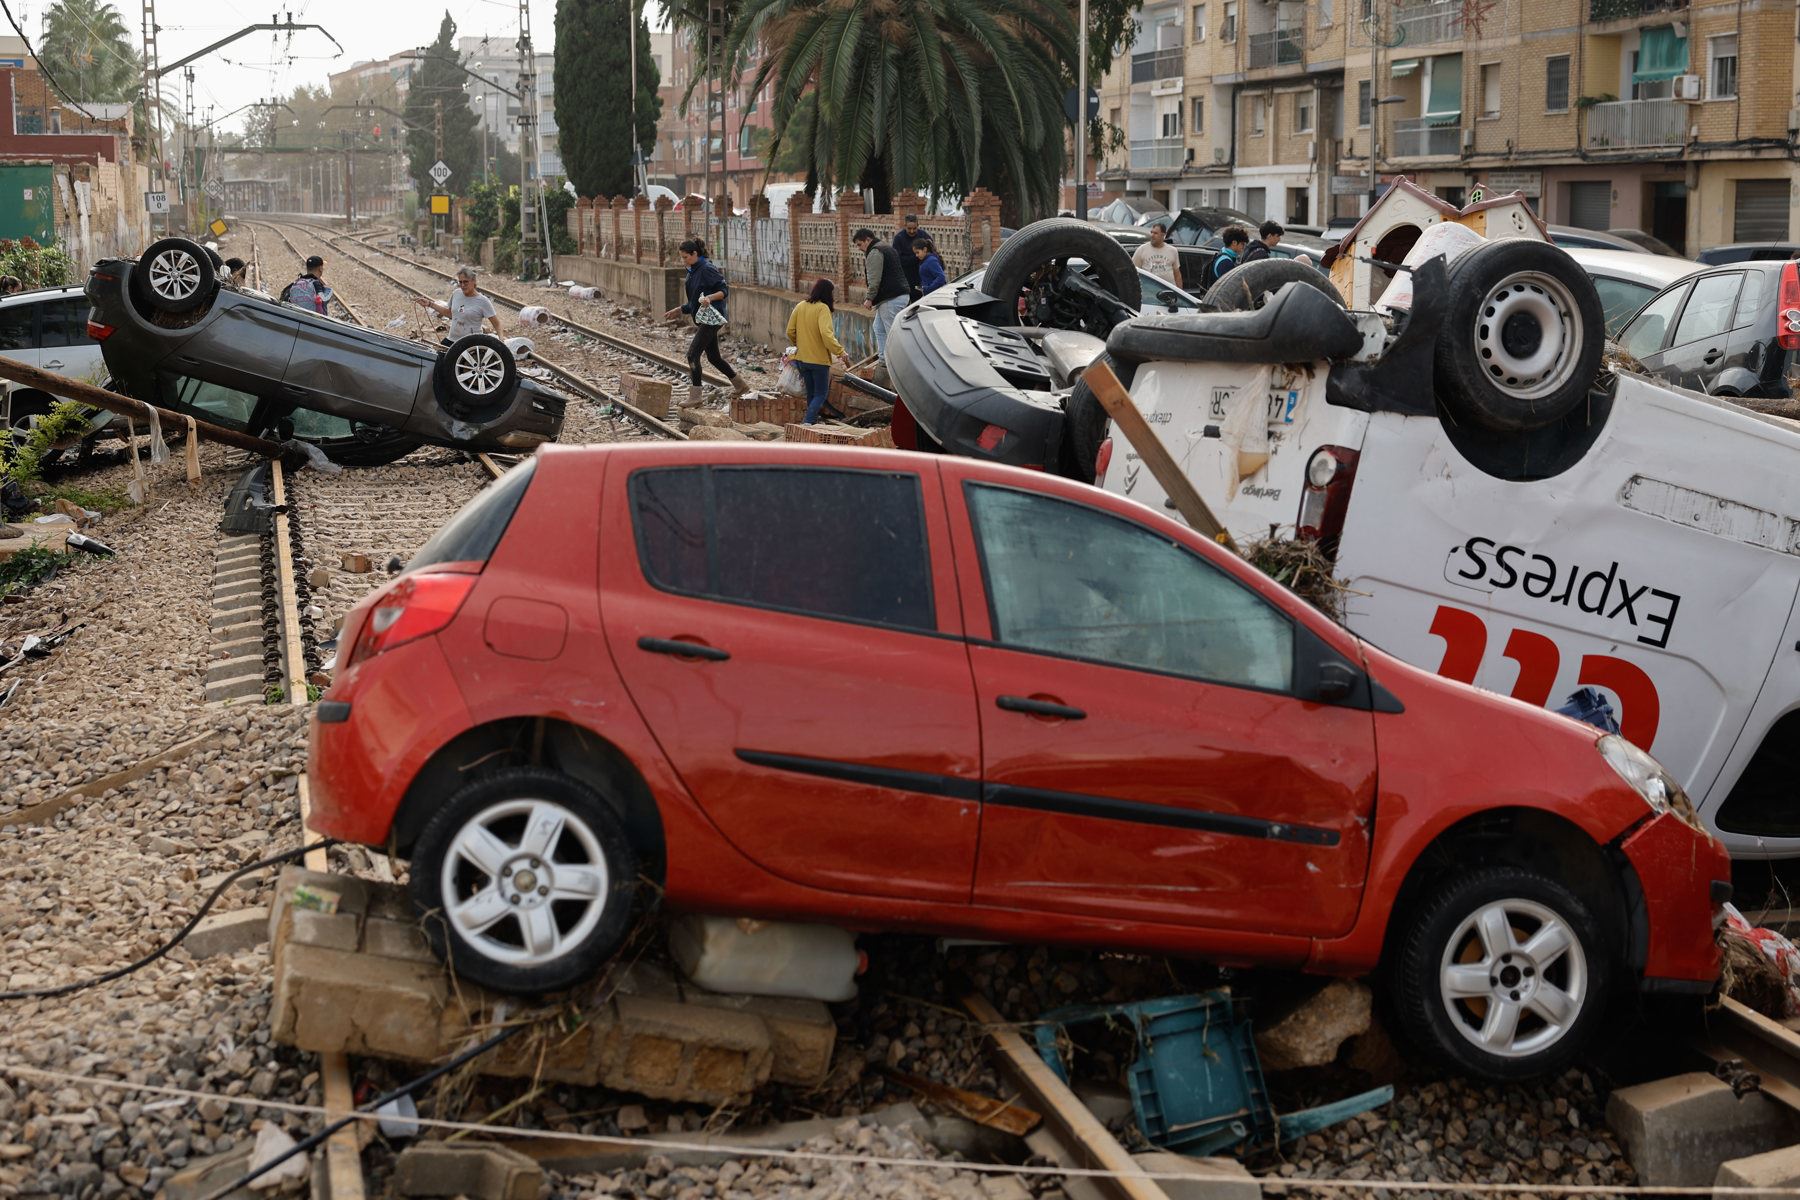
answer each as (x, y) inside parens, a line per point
(790, 382)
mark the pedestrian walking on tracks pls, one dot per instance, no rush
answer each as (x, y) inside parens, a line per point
(707, 295)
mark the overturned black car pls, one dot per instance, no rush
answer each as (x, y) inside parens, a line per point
(173, 334)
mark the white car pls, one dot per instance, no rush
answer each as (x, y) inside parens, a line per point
(1626, 280)
(47, 328)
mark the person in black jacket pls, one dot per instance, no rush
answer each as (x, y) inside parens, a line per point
(888, 290)
(903, 246)
(1268, 237)
(706, 296)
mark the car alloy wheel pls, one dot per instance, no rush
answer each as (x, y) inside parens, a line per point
(1529, 335)
(174, 274)
(480, 370)
(1514, 978)
(524, 881)
(1502, 971)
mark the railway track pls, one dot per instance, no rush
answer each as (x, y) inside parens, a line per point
(563, 374)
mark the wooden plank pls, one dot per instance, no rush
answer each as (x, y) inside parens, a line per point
(87, 393)
(1118, 405)
(39, 813)
(1077, 1130)
(343, 1152)
(284, 579)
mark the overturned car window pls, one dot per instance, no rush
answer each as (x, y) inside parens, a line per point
(472, 534)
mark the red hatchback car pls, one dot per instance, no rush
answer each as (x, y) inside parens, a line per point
(886, 690)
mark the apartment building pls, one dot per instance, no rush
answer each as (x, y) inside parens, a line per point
(742, 129)
(496, 60)
(1675, 118)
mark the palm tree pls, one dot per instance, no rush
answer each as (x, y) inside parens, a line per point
(87, 46)
(944, 95)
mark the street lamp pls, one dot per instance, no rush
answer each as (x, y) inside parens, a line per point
(1374, 133)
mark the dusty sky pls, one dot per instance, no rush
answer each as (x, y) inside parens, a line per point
(264, 64)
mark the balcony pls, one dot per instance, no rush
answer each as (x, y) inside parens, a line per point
(1626, 124)
(1626, 10)
(1282, 48)
(1158, 154)
(1429, 24)
(1154, 65)
(1425, 137)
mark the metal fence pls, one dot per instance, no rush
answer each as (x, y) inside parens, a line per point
(1628, 123)
(1424, 137)
(1278, 49)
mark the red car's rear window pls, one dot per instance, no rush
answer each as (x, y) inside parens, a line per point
(471, 535)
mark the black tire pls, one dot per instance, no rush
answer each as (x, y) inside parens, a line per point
(1040, 243)
(476, 376)
(174, 276)
(379, 448)
(1084, 427)
(497, 955)
(1249, 286)
(1522, 339)
(1437, 936)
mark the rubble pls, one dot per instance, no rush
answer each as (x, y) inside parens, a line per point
(1312, 1034)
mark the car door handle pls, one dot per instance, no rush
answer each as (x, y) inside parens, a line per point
(1712, 356)
(681, 649)
(52, 363)
(1039, 708)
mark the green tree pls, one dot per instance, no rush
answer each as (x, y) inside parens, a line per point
(440, 79)
(593, 94)
(88, 48)
(946, 95)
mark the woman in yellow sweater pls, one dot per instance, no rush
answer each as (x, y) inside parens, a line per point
(809, 332)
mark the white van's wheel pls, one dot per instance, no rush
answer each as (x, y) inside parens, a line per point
(1522, 338)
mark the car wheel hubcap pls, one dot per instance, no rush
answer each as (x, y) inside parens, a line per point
(525, 882)
(479, 370)
(174, 275)
(1528, 335)
(1514, 978)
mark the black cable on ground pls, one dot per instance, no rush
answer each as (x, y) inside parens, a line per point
(405, 1089)
(120, 973)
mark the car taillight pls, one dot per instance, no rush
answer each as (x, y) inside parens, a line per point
(990, 438)
(414, 607)
(99, 332)
(1330, 473)
(1787, 320)
(1102, 461)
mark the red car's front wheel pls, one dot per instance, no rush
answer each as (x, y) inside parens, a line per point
(1503, 973)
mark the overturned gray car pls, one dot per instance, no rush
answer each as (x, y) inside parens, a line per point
(173, 334)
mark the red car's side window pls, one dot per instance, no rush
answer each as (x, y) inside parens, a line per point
(842, 544)
(1069, 580)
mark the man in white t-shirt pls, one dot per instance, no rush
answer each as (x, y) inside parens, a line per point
(467, 308)
(1158, 257)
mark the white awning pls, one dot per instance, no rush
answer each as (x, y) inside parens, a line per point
(1405, 66)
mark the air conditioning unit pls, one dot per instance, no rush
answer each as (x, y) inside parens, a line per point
(1312, 150)
(1468, 139)
(1218, 154)
(1687, 87)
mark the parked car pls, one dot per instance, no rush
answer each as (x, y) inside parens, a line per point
(1158, 294)
(1076, 720)
(1748, 252)
(47, 328)
(1472, 474)
(170, 333)
(1571, 237)
(1721, 331)
(1646, 241)
(1626, 281)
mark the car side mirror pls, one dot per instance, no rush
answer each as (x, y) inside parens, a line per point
(1168, 297)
